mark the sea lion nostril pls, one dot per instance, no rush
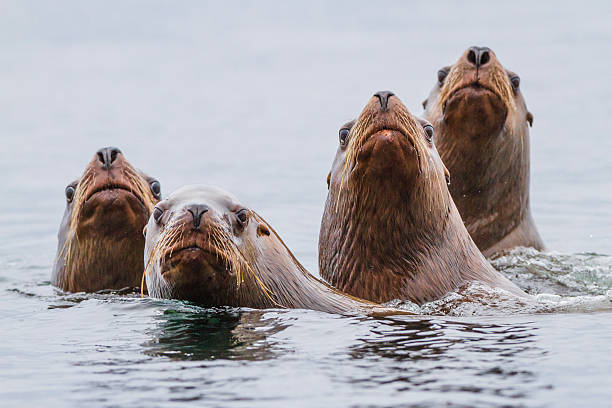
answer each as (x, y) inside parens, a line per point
(383, 97)
(113, 154)
(471, 57)
(196, 213)
(484, 57)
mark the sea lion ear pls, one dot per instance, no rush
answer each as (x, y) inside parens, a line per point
(144, 231)
(262, 229)
(424, 104)
(447, 176)
(328, 179)
(529, 119)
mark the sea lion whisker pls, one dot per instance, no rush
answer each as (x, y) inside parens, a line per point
(67, 249)
(269, 294)
(138, 187)
(239, 260)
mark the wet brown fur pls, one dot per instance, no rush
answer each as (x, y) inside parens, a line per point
(245, 268)
(482, 134)
(100, 242)
(390, 229)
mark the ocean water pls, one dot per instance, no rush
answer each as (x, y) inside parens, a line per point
(249, 96)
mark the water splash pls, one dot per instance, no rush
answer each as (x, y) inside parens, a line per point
(558, 283)
(562, 274)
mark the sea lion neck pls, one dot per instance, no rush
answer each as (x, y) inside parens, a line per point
(102, 264)
(371, 256)
(374, 248)
(289, 284)
(490, 178)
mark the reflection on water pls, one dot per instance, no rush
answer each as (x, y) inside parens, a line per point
(115, 350)
(453, 357)
(210, 334)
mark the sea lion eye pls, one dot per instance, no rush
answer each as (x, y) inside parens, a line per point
(343, 135)
(155, 188)
(429, 133)
(157, 214)
(242, 217)
(69, 193)
(516, 81)
(442, 76)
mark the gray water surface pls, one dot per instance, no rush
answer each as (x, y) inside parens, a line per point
(249, 97)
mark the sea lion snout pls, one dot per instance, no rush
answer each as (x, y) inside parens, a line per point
(192, 248)
(383, 97)
(385, 138)
(474, 97)
(478, 56)
(107, 156)
(194, 219)
(196, 211)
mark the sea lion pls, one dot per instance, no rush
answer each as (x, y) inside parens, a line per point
(390, 229)
(482, 134)
(100, 240)
(204, 246)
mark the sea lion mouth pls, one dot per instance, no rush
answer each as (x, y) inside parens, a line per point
(384, 147)
(378, 130)
(475, 89)
(195, 253)
(114, 187)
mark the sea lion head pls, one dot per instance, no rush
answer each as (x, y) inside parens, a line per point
(204, 245)
(482, 133)
(387, 186)
(477, 96)
(100, 237)
(387, 150)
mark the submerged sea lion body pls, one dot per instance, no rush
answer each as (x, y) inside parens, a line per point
(204, 246)
(390, 229)
(100, 240)
(482, 134)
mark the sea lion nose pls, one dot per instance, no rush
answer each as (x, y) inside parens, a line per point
(196, 212)
(479, 56)
(383, 97)
(107, 155)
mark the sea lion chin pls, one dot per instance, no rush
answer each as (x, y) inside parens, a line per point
(203, 245)
(100, 237)
(390, 229)
(475, 101)
(482, 133)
